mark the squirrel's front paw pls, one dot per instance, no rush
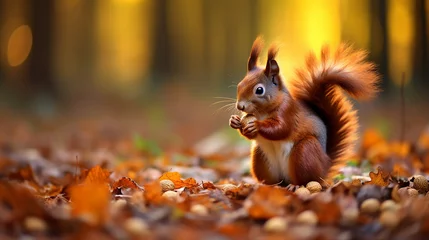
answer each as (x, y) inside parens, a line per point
(250, 130)
(235, 122)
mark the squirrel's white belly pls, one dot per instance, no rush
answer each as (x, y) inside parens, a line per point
(277, 154)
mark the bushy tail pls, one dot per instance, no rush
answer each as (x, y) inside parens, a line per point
(319, 84)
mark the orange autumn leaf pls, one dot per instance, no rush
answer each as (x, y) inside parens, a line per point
(90, 200)
(267, 202)
(126, 182)
(380, 178)
(153, 193)
(177, 180)
(97, 175)
(399, 170)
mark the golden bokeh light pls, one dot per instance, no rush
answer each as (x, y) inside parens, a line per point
(19, 45)
(400, 20)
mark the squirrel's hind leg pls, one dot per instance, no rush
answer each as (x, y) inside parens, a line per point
(260, 169)
(308, 161)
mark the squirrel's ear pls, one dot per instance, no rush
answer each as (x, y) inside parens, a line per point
(272, 68)
(254, 53)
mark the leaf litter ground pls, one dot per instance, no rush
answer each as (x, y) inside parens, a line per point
(134, 192)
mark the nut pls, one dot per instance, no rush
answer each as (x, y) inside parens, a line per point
(276, 224)
(412, 192)
(421, 184)
(370, 205)
(307, 217)
(314, 187)
(166, 185)
(172, 195)
(302, 192)
(247, 119)
(389, 205)
(136, 226)
(199, 209)
(350, 216)
(389, 219)
(35, 224)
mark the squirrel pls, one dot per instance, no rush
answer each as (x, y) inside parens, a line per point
(305, 131)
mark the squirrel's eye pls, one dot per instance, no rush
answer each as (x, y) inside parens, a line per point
(259, 91)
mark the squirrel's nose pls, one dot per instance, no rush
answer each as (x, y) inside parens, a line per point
(240, 106)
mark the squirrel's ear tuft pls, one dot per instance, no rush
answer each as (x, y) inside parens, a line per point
(272, 68)
(254, 53)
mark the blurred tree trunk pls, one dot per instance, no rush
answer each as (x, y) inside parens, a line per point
(379, 39)
(161, 67)
(421, 58)
(40, 77)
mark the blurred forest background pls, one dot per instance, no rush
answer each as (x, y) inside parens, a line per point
(155, 67)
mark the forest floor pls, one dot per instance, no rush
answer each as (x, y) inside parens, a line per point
(98, 184)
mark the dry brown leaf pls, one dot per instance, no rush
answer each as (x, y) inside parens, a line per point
(153, 193)
(90, 200)
(380, 178)
(126, 182)
(97, 175)
(267, 202)
(177, 180)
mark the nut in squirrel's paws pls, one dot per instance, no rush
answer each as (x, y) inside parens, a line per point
(248, 126)
(247, 119)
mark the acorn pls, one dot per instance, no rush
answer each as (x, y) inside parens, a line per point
(172, 195)
(389, 205)
(302, 192)
(421, 184)
(307, 217)
(35, 224)
(370, 205)
(412, 192)
(136, 226)
(389, 219)
(166, 185)
(314, 187)
(276, 224)
(199, 209)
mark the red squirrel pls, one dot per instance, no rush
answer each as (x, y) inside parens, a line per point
(301, 132)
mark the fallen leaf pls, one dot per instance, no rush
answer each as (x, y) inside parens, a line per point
(153, 193)
(380, 178)
(90, 200)
(267, 202)
(97, 175)
(177, 180)
(126, 182)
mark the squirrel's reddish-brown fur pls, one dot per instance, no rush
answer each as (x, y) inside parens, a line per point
(319, 84)
(302, 131)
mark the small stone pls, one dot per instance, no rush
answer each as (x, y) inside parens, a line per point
(302, 192)
(412, 192)
(314, 187)
(166, 185)
(350, 216)
(35, 224)
(199, 209)
(389, 219)
(389, 205)
(421, 184)
(307, 217)
(172, 195)
(276, 224)
(371, 206)
(136, 226)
